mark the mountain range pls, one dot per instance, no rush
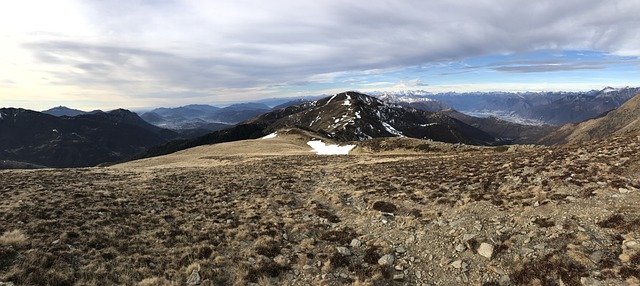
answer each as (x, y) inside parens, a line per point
(624, 120)
(348, 116)
(84, 140)
(538, 108)
(201, 116)
(64, 137)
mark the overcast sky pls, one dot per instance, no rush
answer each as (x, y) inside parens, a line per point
(141, 53)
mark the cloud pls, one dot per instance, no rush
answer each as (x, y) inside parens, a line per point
(531, 68)
(204, 47)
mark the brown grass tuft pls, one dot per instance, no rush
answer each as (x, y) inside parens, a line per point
(14, 238)
(154, 281)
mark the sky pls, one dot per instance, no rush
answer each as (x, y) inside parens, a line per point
(96, 54)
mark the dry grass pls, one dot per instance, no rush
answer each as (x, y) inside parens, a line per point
(280, 219)
(13, 238)
(154, 281)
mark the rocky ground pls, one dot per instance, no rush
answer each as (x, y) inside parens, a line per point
(481, 216)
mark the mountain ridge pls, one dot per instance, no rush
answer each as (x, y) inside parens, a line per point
(85, 140)
(624, 120)
(347, 116)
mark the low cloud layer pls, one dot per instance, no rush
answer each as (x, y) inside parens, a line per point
(168, 47)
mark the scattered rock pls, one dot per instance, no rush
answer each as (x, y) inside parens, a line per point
(386, 260)
(194, 278)
(343, 250)
(596, 256)
(466, 237)
(356, 243)
(457, 264)
(587, 281)
(485, 250)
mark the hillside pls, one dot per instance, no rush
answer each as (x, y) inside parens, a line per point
(84, 140)
(624, 120)
(268, 211)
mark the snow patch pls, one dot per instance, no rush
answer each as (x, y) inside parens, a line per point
(322, 148)
(428, 124)
(270, 136)
(391, 130)
(347, 101)
(330, 99)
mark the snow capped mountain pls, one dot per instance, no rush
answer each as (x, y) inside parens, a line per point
(404, 96)
(554, 108)
(609, 89)
(352, 116)
(413, 99)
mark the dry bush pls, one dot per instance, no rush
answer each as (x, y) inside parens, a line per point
(14, 238)
(191, 267)
(264, 281)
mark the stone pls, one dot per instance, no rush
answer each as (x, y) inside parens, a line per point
(400, 250)
(460, 247)
(343, 251)
(632, 244)
(485, 250)
(587, 281)
(194, 278)
(398, 277)
(355, 243)
(468, 237)
(386, 260)
(457, 264)
(596, 256)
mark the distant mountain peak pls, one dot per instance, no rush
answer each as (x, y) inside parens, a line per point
(351, 115)
(63, 111)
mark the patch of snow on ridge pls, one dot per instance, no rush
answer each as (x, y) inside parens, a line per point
(347, 101)
(322, 148)
(609, 89)
(330, 99)
(391, 130)
(270, 136)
